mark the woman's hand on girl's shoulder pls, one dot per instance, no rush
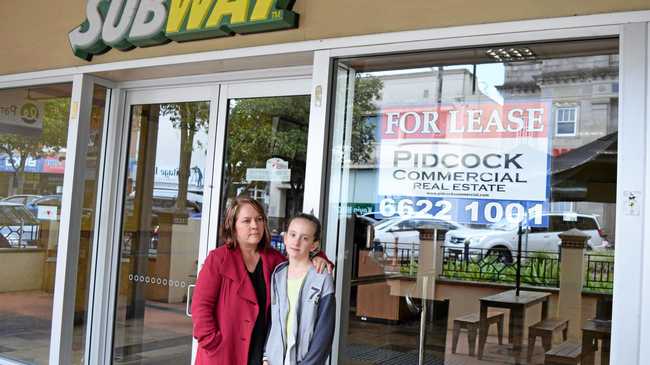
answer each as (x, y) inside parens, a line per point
(320, 264)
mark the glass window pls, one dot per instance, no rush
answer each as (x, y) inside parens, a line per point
(33, 137)
(160, 232)
(265, 157)
(566, 121)
(484, 141)
(587, 223)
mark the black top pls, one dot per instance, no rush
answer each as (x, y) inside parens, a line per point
(256, 349)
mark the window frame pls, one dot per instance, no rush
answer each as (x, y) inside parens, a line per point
(634, 55)
(576, 118)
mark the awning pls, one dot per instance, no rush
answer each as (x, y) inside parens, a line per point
(587, 173)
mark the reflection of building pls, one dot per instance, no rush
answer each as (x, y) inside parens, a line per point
(430, 86)
(583, 92)
(419, 88)
(42, 175)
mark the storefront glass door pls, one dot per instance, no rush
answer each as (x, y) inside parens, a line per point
(458, 180)
(184, 146)
(162, 212)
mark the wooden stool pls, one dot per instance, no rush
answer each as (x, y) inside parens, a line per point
(563, 354)
(471, 323)
(545, 330)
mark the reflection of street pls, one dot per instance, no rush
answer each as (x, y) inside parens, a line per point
(382, 344)
(25, 332)
(379, 343)
(167, 337)
(25, 329)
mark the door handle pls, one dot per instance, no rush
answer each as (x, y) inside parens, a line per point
(188, 304)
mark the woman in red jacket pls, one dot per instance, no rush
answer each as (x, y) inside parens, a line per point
(230, 306)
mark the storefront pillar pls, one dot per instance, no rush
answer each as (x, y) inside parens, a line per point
(572, 265)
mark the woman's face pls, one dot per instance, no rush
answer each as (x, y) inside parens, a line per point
(249, 227)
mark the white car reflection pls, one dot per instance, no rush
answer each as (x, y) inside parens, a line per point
(406, 231)
(500, 239)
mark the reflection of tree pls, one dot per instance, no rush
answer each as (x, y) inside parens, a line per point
(262, 128)
(367, 90)
(259, 129)
(53, 138)
(189, 118)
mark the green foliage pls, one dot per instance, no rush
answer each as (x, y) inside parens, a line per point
(52, 139)
(597, 276)
(537, 270)
(189, 118)
(253, 138)
(367, 89)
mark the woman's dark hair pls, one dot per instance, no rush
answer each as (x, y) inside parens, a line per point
(310, 218)
(228, 234)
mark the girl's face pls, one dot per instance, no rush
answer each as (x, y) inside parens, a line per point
(249, 227)
(299, 239)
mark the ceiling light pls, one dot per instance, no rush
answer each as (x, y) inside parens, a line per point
(511, 54)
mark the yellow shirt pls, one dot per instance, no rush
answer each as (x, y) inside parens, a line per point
(293, 294)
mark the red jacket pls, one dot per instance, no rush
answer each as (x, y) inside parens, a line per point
(224, 306)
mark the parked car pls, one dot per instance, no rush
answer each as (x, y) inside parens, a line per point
(23, 199)
(17, 225)
(52, 205)
(375, 216)
(45, 200)
(407, 229)
(500, 239)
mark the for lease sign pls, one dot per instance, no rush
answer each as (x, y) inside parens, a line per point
(468, 156)
(125, 24)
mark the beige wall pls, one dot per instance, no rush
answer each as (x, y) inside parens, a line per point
(35, 32)
(22, 269)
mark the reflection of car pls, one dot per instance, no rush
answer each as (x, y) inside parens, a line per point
(407, 229)
(50, 208)
(164, 205)
(23, 199)
(167, 203)
(45, 201)
(375, 216)
(501, 238)
(367, 220)
(17, 225)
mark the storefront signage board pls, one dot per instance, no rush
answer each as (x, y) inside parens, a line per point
(126, 24)
(275, 175)
(20, 115)
(470, 163)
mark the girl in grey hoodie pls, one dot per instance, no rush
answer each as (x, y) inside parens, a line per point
(302, 301)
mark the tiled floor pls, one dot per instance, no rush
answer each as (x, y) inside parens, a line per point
(25, 321)
(165, 338)
(384, 344)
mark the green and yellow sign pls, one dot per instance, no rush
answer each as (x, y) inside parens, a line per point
(126, 24)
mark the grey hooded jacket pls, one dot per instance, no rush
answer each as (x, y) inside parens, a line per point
(314, 325)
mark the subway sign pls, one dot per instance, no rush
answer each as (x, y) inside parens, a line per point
(126, 24)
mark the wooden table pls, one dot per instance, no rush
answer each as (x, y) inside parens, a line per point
(517, 306)
(593, 331)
